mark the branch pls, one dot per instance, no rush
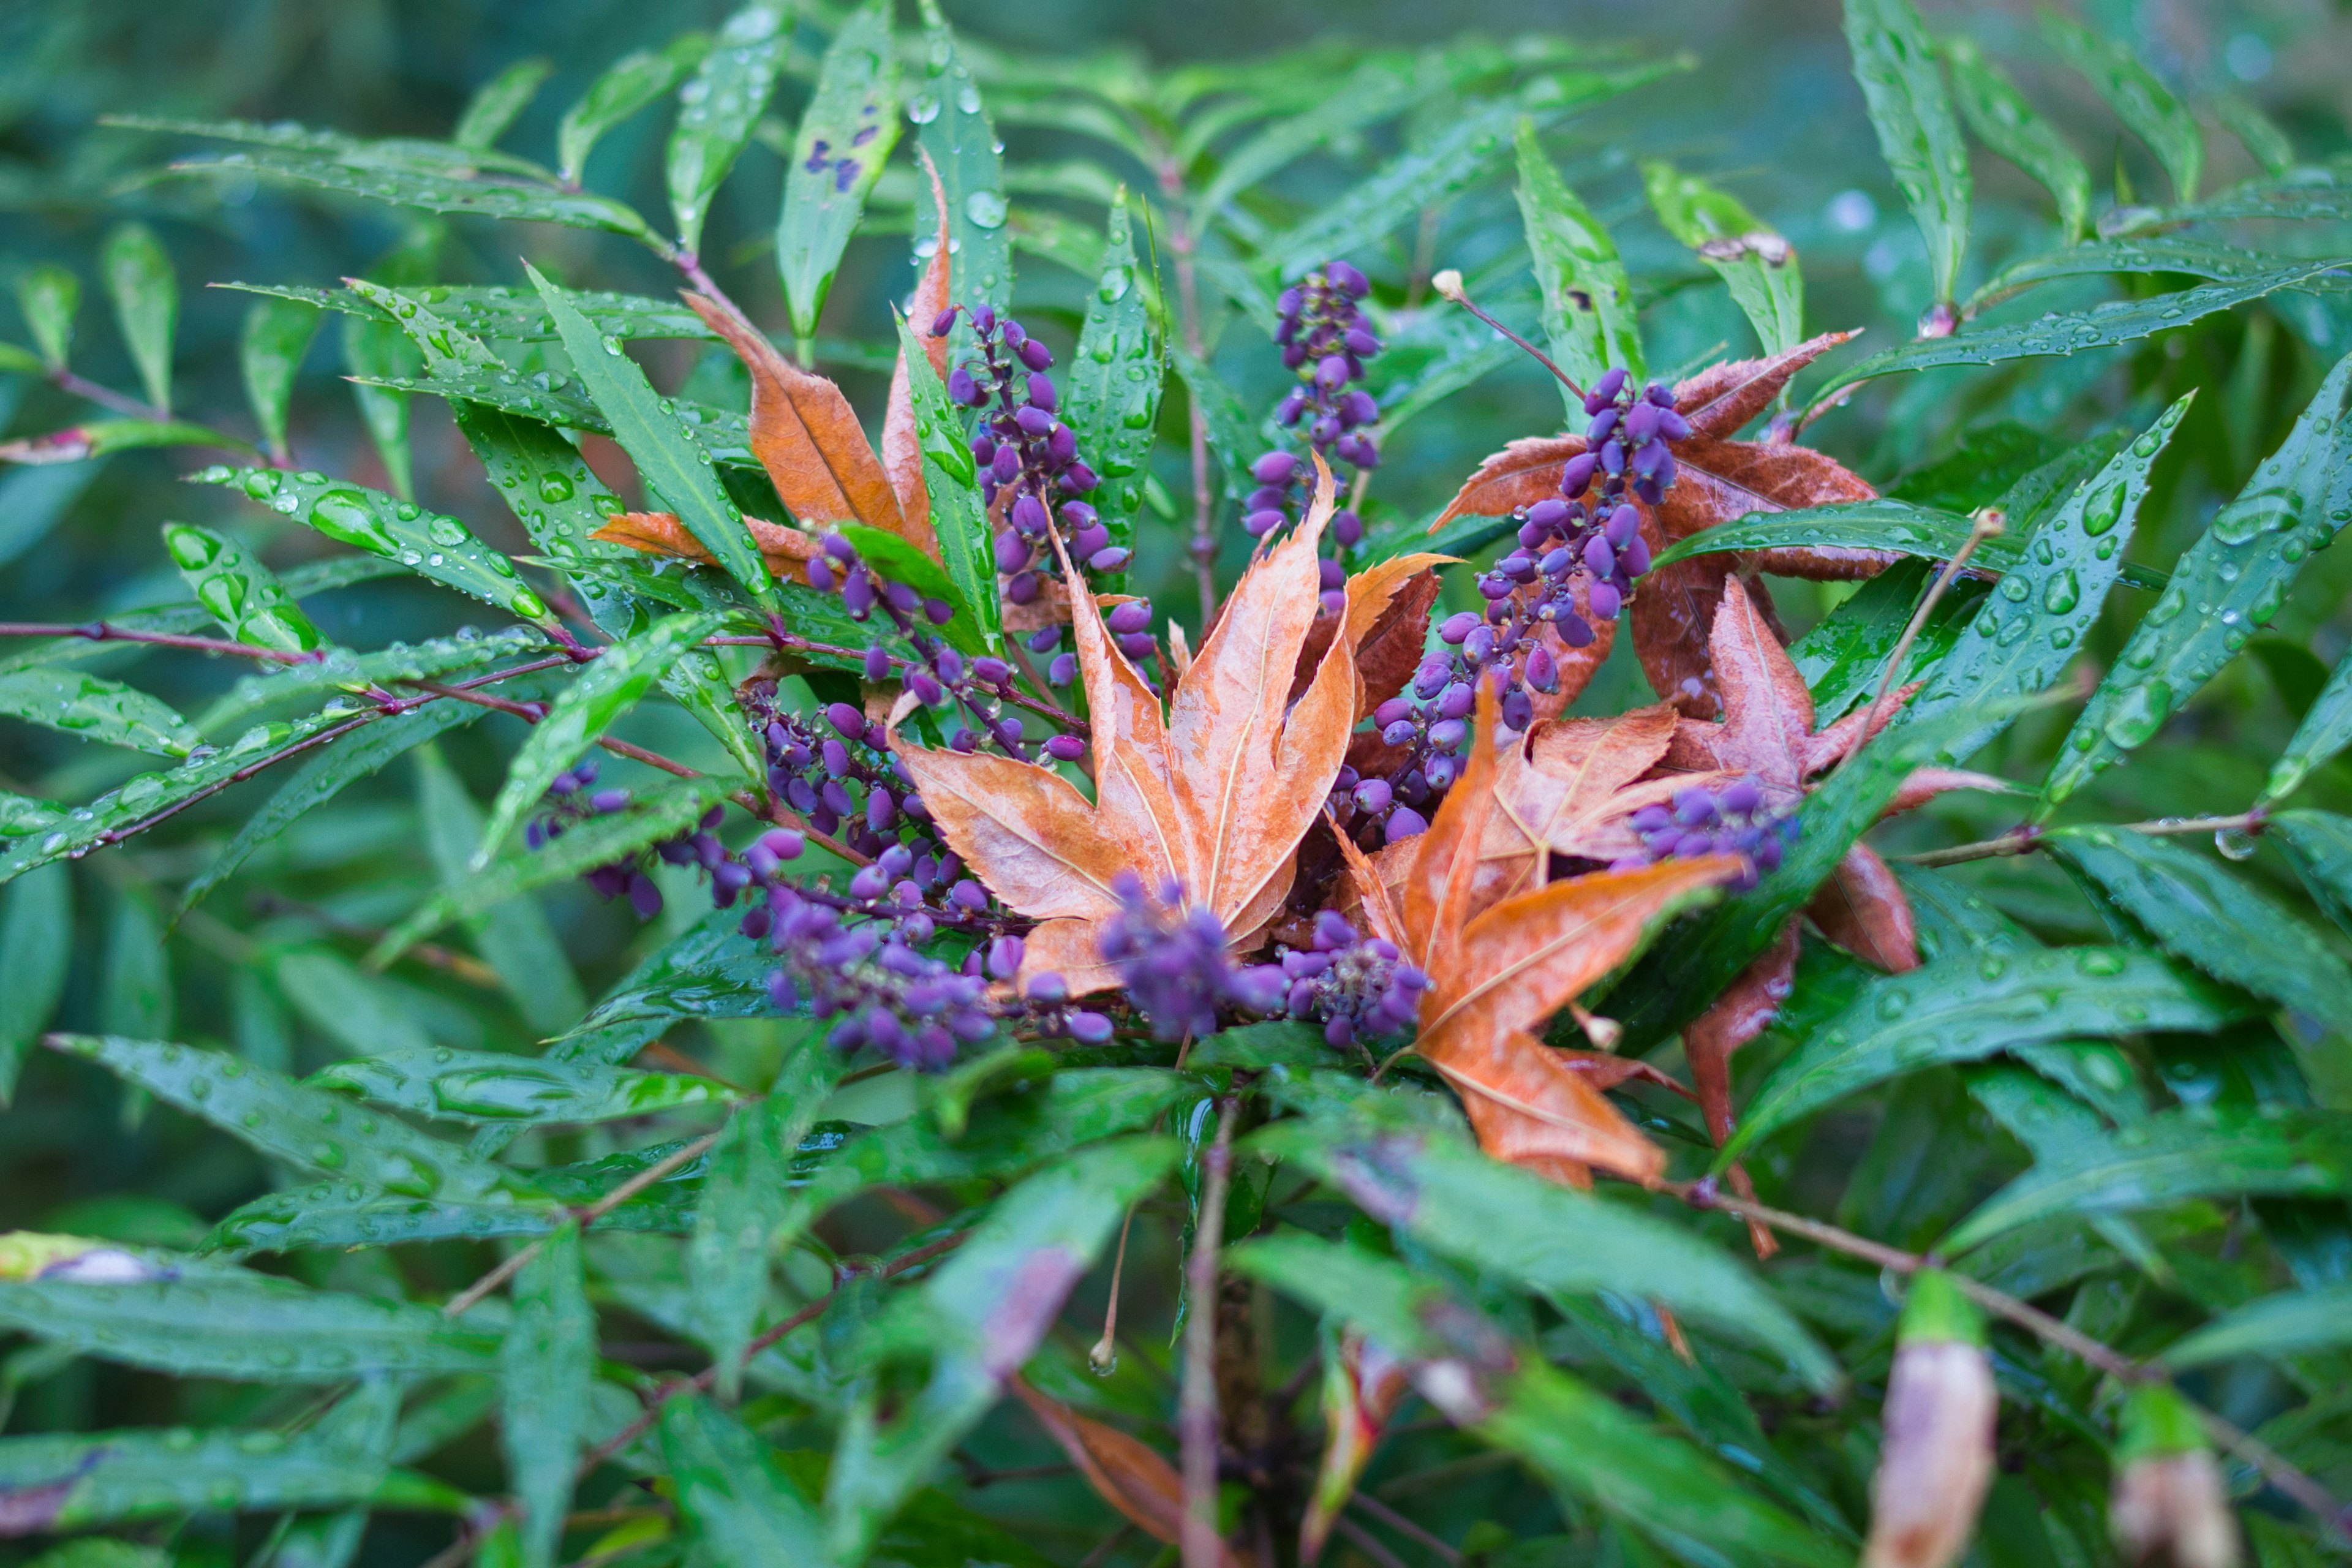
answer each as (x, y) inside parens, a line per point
(105, 631)
(2027, 837)
(1196, 1411)
(1987, 523)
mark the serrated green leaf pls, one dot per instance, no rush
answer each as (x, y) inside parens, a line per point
(2257, 132)
(2168, 1159)
(2047, 600)
(2152, 255)
(741, 1504)
(277, 334)
(1751, 258)
(606, 687)
(1967, 1008)
(37, 938)
(953, 126)
(307, 1128)
(628, 85)
(1115, 381)
(241, 594)
(499, 103)
(2101, 326)
(1588, 305)
(2143, 103)
(321, 779)
(2320, 846)
(247, 1327)
(514, 938)
(545, 1367)
(2295, 1323)
(553, 398)
(2004, 122)
(76, 1481)
(429, 544)
(845, 139)
(373, 354)
(718, 108)
(146, 295)
(958, 516)
(1895, 63)
(2236, 576)
(444, 1085)
(667, 452)
(49, 297)
(95, 709)
(429, 186)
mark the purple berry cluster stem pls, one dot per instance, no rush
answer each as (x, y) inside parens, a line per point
(1325, 342)
(1731, 820)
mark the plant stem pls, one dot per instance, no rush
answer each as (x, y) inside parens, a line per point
(1196, 1411)
(105, 396)
(2026, 838)
(1449, 284)
(105, 631)
(1987, 523)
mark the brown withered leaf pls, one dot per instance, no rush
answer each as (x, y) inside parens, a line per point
(902, 448)
(1565, 790)
(1862, 908)
(1127, 1472)
(1498, 974)
(1363, 1386)
(1745, 1010)
(1387, 623)
(1213, 796)
(786, 550)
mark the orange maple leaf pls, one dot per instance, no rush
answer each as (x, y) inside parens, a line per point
(1213, 796)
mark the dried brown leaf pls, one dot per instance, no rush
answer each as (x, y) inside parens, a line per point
(902, 448)
(787, 551)
(1387, 624)
(1127, 1472)
(1563, 787)
(1745, 1010)
(1864, 910)
(1721, 399)
(1363, 1386)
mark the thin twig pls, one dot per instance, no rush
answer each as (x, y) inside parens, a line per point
(1110, 1543)
(1104, 1356)
(1371, 1545)
(683, 1155)
(1400, 1524)
(129, 407)
(105, 631)
(1196, 1410)
(2028, 838)
(1449, 284)
(533, 712)
(1988, 523)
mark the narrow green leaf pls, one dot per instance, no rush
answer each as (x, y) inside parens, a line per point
(2170, 1159)
(2147, 255)
(499, 103)
(63, 1482)
(48, 297)
(2145, 106)
(893, 558)
(628, 85)
(1115, 381)
(95, 709)
(1845, 656)
(1378, 90)
(606, 687)
(374, 352)
(739, 1503)
(367, 1422)
(146, 295)
(546, 1366)
(427, 185)
(187, 616)
(514, 938)
(2101, 326)
(212, 1321)
(1897, 527)
(135, 991)
(1895, 62)
(2257, 132)
(953, 128)
(517, 315)
(276, 335)
(2320, 846)
(2034, 622)
(1588, 305)
(307, 1128)
(1751, 258)
(340, 669)
(34, 500)
(844, 140)
(363, 1013)
(2295, 1323)
(444, 1085)
(37, 936)
(1965, 1008)
(321, 779)
(713, 970)
(241, 594)
(667, 452)
(958, 516)
(718, 108)
(2236, 576)
(429, 544)
(2326, 730)
(2003, 121)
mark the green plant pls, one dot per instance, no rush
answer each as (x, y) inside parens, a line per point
(980, 951)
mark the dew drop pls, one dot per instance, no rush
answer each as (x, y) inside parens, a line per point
(985, 209)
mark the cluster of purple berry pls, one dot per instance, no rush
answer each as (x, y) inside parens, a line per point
(1359, 986)
(869, 976)
(1176, 966)
(571, 800)
(1325, 342)
(839, 774)
(1732, 820)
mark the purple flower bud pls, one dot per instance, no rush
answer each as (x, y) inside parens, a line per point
(1112, 559)
(1358, 408)
(848, 720)
(1012, 552)
(1362, 343)
(1457, 626)
(1653, 459)
(1042, 395)
(1519, 710)
(1642, 422)
(1079, 478)
(963, 389)
(1603, 426)
(1047, 986)
(1090, 539)
(1572, 630)
(1613, 458)
(991, 670)
(1063, 670)
(1037, 356)
(1456, 701)
(1448, 733)
(1137, 646)
(1293, 406)
(1543, 670)
(1599, 559)
(1034, 421)
(643, 896)
(1606, 601)
(944, 322)
(1065, 748)
(1398, 732)
(1673, 425)
(877, 663)
(1373, 796)
(1258, 525)
(939, 612)
(1022, 589)
(819, 575)
(1348, 529)
(1635, 559)
(1576, 475)
(1045, 639)
(1133, 615)
(1331, 371)
(1347, 280)
(857, 593)
(1605, 390)
(927, 691)
(1006, 465)
(1405, 822)
(1659, 394)
(1274, 469)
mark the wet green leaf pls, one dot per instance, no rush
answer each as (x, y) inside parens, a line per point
(845, 139)
(2320, 846)
(2143, 103)
(741, 1505)
(146, 295)
(631, 83)
(1751, 258)
(958, 516)
(49, 297)
(951, 125)
(37, 937)
(2325, 732)
(278, 333)
(499, 103)
(1588, 305)
(446, 1085)
(95, 709)
(2151, 256)
(2295, 1323)
(1895, 62)
(514, 938)
(1115, 381)
(896, 560)
(340, 669)
(546, 1364)
(241, 594)
(718, 108)
(428, 184)
(1999, 115)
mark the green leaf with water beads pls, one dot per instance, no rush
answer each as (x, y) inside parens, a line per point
(2149, 256)
(712, 970)
(2168, 1159)
(953, 126)
(1588, 304)
(95, 709)
(1967, 1007)
(377, 359)
(306, 1128)
(1751, 258)
(1115, 381)
(628, 85)
(2201, 913)
(606, 687)
(958, 518)
(1897, 527)
(429, 184)
(2233, 580)
(2049, 597)
(2325, 732)
(672, 458)
(546, 1368)
(2143, 103)
(241, 594)
(739, 1503)
(2108, 325)
(323, 778)
(400, 663)
(146, 295)
(718, 108)
(209, 1320)
(508, 315)
(445, 1085)
(36, 939)
(2003, 121)
(1895, 63)
(49, 297)
(277, 334)
(845, 139)
(553, 397)
(429, 544)
(499, 101)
